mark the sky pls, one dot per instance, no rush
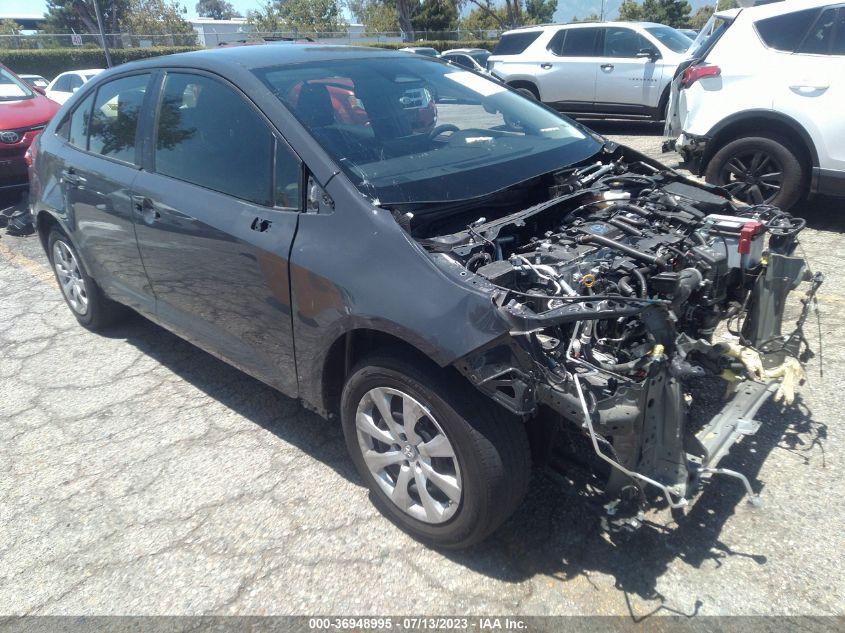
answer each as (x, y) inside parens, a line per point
(38, 7)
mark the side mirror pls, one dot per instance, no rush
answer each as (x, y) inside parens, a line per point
(74, 89)
(651, 53)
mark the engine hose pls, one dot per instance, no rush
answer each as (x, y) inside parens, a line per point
(630, 230)
(483, 257)
(622, 248)
(638, 222)
(627, 206)
(625, 286)
(638, 273)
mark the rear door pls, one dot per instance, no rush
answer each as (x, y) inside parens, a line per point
(567, 75)
(100, 161)
(624, 79)
(216, 210)
(811, 87)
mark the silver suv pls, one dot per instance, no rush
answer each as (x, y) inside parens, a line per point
(609, 69)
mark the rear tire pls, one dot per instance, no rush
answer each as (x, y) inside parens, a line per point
(759, 169)
(470, 456)
(83, 296)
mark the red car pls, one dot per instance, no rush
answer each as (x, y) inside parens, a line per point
(24, 111)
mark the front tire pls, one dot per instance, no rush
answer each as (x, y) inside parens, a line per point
(759, 170)
(83, 296)
(441, 461)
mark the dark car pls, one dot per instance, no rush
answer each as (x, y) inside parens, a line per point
(448, 293)
(24, 111)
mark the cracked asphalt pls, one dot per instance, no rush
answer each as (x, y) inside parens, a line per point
(139, 475)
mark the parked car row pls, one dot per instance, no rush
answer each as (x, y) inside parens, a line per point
(27, 103)
(758, 106)
(607, 69)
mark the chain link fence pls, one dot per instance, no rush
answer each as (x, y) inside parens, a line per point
(213, 37)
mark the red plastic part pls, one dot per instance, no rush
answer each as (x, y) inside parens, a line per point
(746, 234)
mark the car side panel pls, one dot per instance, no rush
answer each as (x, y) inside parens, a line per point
(356, 268)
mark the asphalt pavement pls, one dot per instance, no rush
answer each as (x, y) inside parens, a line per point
(139, 475)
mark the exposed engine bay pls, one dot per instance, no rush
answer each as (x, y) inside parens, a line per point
(621, 289)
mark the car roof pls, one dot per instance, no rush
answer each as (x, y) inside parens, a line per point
(252, 57)
(777, 8)
(542, 27)
(466, 50)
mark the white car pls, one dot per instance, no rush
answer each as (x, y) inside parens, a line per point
(63, 86)
(759, 106)
(609, 69)
(469, 58)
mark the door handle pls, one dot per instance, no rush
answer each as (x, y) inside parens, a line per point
(260, 224)
(807, 88)
(72, 178)
(607, 66)
(146, 209)
(545, 65)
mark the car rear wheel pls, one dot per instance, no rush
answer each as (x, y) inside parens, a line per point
(759, 170)
(84, 298)
(441, 461)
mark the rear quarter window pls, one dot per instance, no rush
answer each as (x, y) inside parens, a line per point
(785, 32)
(515, 43)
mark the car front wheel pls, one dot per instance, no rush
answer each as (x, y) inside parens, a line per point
(759, 170)
(441, 461)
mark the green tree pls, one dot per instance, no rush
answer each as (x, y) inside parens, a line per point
(267, 19)
(309, 16)
(79, 16)
(158, 17)
(481, 20)
(675, 13)
(436, 15)
(700, 17)
(593, 17)
(376, 15)
(540, 11)
(313, 15)
(507, 17)
(216, 9)
(10, 27)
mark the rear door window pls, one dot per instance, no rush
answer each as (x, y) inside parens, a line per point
(78, 124)
(580, 42)
(62, 84)
(820, 36)
(515, 43)
(114, 120)
(74, 83)
(785, 32)
(622, 42)
(838, 45)
(208, 135)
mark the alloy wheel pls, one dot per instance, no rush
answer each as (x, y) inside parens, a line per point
(755, 176)
(408, 454)
(70, 277)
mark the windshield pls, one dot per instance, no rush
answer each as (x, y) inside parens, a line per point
(11, 88)
(415, 130)
(480, 57)
(670, 38)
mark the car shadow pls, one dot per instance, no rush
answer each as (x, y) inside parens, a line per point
(822, 213)
(557, 532)
(257, 402)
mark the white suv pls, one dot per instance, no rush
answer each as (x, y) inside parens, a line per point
(759, 107)
(593, 69)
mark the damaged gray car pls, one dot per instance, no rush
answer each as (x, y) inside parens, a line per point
(458, 273)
